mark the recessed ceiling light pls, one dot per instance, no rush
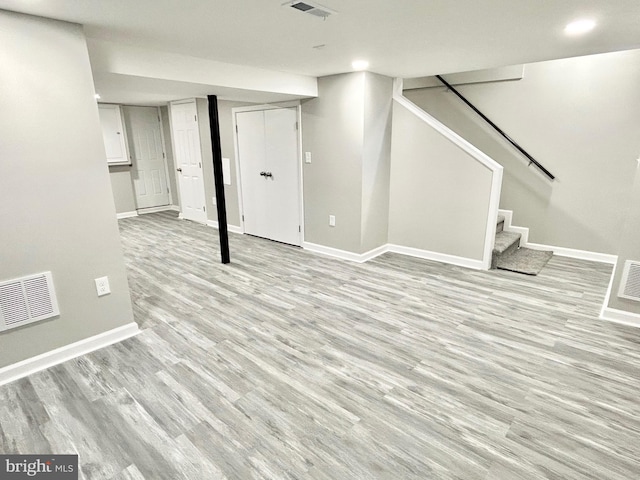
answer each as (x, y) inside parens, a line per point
(97, 96)
(360, 64)
(579, 27)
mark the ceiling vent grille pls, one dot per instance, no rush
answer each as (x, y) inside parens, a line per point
(630, 283)
(26, 300)
(311, 8)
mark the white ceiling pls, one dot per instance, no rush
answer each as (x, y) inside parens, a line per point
(406, 38)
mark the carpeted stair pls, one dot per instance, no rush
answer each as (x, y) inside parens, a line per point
(509, 255)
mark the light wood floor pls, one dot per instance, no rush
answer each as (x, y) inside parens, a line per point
(290, 365)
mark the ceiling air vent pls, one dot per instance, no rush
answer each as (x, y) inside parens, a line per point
(311, 8)
(28, 299)
(630, 283)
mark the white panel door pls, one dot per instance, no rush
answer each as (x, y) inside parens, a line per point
(269, 170)
(283, 179)
(188, 158)
(145, 144)
(251, 147)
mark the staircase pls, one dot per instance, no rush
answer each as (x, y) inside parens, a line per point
(509, 255)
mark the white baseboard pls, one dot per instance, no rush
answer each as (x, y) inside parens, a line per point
(620, 316)
(413, 252)
(343, 254)
(122, 215)
(438, 257)
(164, 208)
(573, 253)
(35, 364)
(175, 208)
(230, 228)
(613, 314)
(561, 251)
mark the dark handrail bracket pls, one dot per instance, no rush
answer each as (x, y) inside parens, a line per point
(497, 129)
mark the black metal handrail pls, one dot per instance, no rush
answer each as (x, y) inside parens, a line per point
(497, 129)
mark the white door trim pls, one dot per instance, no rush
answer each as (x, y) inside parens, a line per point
(252, 108)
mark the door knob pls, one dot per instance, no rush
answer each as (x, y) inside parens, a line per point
(179, 169)
(263, 174)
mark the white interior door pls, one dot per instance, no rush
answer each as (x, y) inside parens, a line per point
(268, 154)
(188, 159)
(145, 145)
(251, 144)
(283, 184)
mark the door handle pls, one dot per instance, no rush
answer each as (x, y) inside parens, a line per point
(179, 169)
(263, 174)
(268, 174)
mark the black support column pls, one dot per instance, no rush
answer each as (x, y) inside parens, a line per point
(214, 125)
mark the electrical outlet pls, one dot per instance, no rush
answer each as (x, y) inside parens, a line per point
(102, 286)
(332, 220)
(307, 157)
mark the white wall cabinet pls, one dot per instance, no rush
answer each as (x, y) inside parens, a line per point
(113, 134)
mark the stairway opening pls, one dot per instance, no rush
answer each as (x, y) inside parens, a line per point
(509, 255)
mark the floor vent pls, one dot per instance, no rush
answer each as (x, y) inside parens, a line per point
(630, 283)
(311, 8)
(26, 300)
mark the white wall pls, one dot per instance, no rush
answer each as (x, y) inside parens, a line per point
(227, 147)
(122, 189)
(376, 160)
(347, 129)
(629, 248)
(439, 194)
(333, 131)
(56, 210)
(580, 118)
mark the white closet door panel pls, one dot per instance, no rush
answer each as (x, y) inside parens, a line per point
(251, 149)
(283, 186)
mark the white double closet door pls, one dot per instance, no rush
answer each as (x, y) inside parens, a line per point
(270, 173)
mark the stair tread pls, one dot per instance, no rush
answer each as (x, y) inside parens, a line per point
(501, 218)
(504, 240)
(524, 260)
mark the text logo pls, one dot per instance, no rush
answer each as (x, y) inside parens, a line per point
(50, 467)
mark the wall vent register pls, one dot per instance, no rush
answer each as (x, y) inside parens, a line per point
(630, 282)
(26, 300)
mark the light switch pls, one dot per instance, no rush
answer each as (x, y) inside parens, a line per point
(332, 220)
(307, 157)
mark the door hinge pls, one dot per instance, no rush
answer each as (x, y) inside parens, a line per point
(236, 128)
(200, 164)
(299, 229)
(168, 190)
(296, 125)
(158, 118)
(163, 155)
(243, 218)
(195, 118)
(204, 209)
